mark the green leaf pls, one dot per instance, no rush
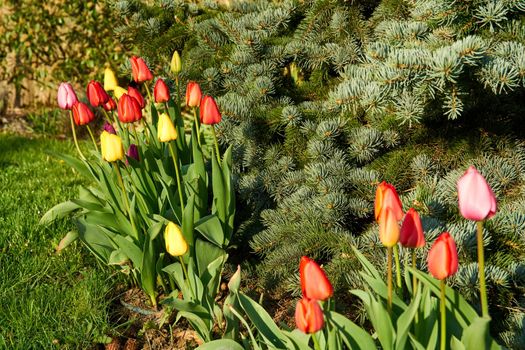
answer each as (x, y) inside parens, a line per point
(353, 336)
(455, 344)
(69, 238)
(59, 211)
(235, 281)
(221, 344)
(219, 190)
(299, 339)
(404, 322)
(477, 335)
(206, 253)
(187, 222)
(369, 268)
(211, 228)
(96, 240)
(148, 272)
(130, 249)
(118, 257)
(74, 162)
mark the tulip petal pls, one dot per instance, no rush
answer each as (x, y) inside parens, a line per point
(476, 199)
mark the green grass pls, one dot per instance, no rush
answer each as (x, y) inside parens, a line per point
(47, 300)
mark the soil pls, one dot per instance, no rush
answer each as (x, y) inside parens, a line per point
(14, 121)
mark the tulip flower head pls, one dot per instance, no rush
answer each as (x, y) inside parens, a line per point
(176, 63)
(109, 128)
(175, 243)
(166, 131)
(314, 283)
(140, 70)
(193, 94)
(161, 92)
(135, 93)
(119, 91)
(133, 152)
(309, 316)
(110, 105)
(111, 146)
(476, 199)
(96, 94)
(82, 114)
(209, 111)
(110, 80)
(443, 257)
(66, 96)
(128, 109)
(411, 235)
(386, 196)
(388, 227)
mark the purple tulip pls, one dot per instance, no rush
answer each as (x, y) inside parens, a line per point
(66, 96)
(133, 152)
(109, 128)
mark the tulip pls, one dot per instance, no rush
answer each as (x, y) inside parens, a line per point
(82, 114)
(128, 109)
(109, 128)
(309, 316)
(66, 96)
(161, 92)
(314, 283)
(111, 145)
(443, 257)
(96, 94)
(476, 199)
(411, 234)
(175, 243)
(119, 91)
(140, 70)
(209, 111)
(133, 152)
(110, 80)
(135, 93)
(388, 228)
(176, 63)
(165, 129)
(110, 105)
(193, 94)
(386, 196)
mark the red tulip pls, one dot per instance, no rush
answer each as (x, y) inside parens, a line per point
(476, 199)
(309, 316)
(135, 93)
(110, 105)
(388, 228)
(96, 94)
(193, 94)
(411, 235)
(443, 257)
(314, 283)
(386, 196)
(128, 109)
(140, 70)
(209, 111)
(66, 96)
(161, 92)
(82, 114)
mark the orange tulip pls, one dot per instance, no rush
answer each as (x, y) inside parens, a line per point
(443, 257)
(386, 196)
(314, 283)
(411, 235)
(161, 92)
(388, 228)
(193, 94)
(140, 70)
(309, 316)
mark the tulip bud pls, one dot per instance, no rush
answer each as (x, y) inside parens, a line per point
(66, 96)
(443, 257)
(140, 70)
(175, 243)
(135, 93)
(176, 63)
(82, 114)
(111, 146)
(96, 94)
(109, 128)
(128, 109)
(193, 94)
(386, 196)
(314, 283)
(133, 152)
(161, 92)
(110, 80)
(165, 129)
(110, 105)
(411, 235)
(309, 316)
(476, 199)
(119, 91)
(388, 228)
(209, 111)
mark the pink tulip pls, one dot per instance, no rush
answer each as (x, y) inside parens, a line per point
(66, 96)
(476, 199)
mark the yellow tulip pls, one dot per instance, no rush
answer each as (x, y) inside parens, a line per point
(165, 129)
(110, 80)
(119, 91)
(111, 146)
(175, 243)
(176, 63)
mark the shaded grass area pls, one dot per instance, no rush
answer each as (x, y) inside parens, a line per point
(47, 300)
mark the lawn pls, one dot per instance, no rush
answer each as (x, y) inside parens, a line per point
(47, 300)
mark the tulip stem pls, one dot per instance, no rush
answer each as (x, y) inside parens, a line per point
(125, 197)
(443, 317)
(197, 127)
(106, 116)
(414, 279)
(481, 268)
(216, 144)
(389, 278)
(149, 93)
(187, 276)
(176, 164)
(317, 346)
(75, 136)
(92, 137)
(398, 266)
